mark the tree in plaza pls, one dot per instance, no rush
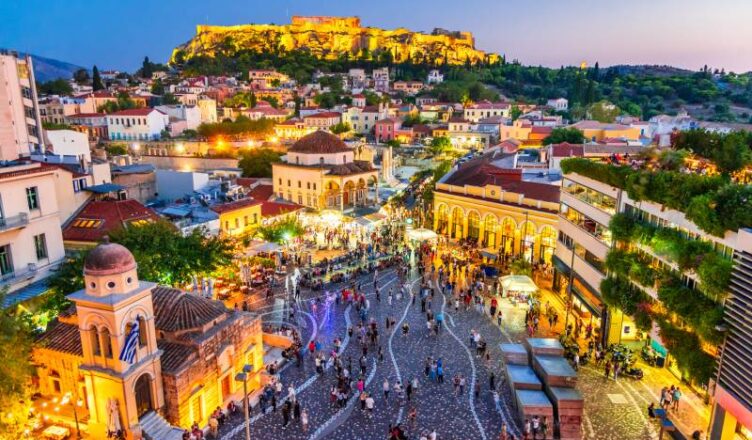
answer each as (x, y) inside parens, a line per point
(258, 162)
(164, 255)
(81, 76)
(521, 266)
(15, 343)
(440, 145)
(560, 135)
(96, 79)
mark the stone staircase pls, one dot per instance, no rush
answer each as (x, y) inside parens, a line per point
(154, 427)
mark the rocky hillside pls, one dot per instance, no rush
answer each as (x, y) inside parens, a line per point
(331, 38)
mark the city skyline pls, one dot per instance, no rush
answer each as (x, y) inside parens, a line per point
(546, 33)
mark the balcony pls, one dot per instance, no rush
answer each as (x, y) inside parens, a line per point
(14, 222)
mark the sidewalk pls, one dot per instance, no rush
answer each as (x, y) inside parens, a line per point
(693, 414)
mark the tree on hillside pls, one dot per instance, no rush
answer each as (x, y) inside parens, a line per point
(96, 79)
(258, 162)
(604, 111)
(515, 112)
(55, 87)
(81, 76)
(147, 68)
(560, 135)
(157, 88)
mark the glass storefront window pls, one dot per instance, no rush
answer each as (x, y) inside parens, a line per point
(590, 196)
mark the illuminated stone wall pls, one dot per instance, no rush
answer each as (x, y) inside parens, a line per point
(330, 37)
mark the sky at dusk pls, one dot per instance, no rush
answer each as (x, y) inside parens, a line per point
(684, 33)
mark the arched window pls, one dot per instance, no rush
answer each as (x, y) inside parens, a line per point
(104, 336)
(96, 348)
(457, 226)
(442, 218)
(141, 331)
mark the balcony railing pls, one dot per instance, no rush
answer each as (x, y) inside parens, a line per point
(14, 222)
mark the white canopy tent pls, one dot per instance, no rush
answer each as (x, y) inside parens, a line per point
(517, 283)
(421, 234)
(257, 247)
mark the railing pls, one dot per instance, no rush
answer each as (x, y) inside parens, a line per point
(14, 222)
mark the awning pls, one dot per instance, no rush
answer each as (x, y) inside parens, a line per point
(262, 247)
(104, 188)
(421, 234)
(560, 265)
(489, 253)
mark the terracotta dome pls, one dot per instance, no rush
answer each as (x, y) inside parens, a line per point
(108, 259)
(319, 142)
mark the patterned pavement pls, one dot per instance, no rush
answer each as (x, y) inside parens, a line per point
(613, 410)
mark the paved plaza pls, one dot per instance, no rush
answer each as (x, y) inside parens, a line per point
(613, 410)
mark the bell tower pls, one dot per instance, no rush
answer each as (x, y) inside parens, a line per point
(111, 303)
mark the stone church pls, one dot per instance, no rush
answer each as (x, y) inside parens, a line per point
(188, 353)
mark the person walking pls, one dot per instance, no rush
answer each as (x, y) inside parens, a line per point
(304, 420)
(385, 387)
(676, 396)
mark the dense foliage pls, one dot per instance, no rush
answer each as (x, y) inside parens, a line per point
(712, 203)
(281, 231)
(123, 102)
(163, 254)
(241, 128)
(258, 162)
(643, 91)
(15, 344)
(730, 152)
(561, 135)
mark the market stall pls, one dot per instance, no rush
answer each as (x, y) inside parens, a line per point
(517, 287)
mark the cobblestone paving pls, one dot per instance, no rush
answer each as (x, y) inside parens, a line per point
(453, 417)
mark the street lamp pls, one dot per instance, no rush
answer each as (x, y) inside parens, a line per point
(243, 377)
(721, 328)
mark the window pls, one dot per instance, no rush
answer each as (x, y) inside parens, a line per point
(237, 223)
(300, 199)
(106, 342)
(32, 197)
(255, 218)
(289, 182)
(40, 245)
(96, 348)
(245, 220)
(308, 185)
(314, 187)
(79, 184)
(300, 184)
(280, 181)
(6, 262)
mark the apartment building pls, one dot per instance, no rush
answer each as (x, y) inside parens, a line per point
(20, 118)
(585, 240)
(31, 241)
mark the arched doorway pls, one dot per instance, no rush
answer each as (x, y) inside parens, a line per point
(349, 193)
(458, 217)
(548, 243)
(527, 240)
(490, 229)
(507, 236)
(143, 395)
(473, 225)
(442, 219)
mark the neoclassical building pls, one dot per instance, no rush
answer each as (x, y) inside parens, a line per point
(188, 353)
(320, 172)
(490, 201)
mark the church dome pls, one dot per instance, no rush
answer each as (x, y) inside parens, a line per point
(319, 142)
(109, 259)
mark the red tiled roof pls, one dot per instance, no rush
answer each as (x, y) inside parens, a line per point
(319, 142)
(175, 310)
(273, 209)
(323, 115)
(176, 357)
(136, 112)
(566, 149)
(233, 206)
(541, 130)
(262, 192)
(88, 115)
(61, 337)
(480, 173)
(246, 181)
(112, 215)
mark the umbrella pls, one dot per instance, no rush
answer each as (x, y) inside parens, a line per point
(421, 234)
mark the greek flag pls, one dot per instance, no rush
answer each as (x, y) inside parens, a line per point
(128, 353)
